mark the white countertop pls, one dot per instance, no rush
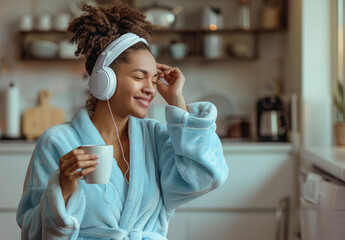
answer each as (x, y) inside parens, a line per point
(17, 146)
(331, 160)
(248, 147)
(229, 146)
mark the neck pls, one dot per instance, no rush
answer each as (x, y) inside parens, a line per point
(105, 125)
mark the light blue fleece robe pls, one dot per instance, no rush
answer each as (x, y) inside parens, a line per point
(169, 166)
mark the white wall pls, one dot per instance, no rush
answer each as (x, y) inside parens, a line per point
(318, 70)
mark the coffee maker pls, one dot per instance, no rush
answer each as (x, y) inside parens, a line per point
(271, 120)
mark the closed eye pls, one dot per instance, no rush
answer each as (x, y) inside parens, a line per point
(154, 79)
(139, 78)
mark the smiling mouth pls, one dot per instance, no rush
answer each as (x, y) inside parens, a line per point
(142, 102)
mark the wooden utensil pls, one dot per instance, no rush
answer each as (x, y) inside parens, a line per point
(38, 119)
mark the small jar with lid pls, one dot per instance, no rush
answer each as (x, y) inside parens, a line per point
(270, 15)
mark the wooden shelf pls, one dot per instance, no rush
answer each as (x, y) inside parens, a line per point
(50, 32)
(220, 31)
(201, 59)
(179, 31)
(193, 35)
(53, 59)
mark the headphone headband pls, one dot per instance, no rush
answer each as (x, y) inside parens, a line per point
(115, 48)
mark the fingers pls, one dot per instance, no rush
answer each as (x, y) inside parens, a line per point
(74, 152)
(174, 79)
(86, 171)
(80, 165)
(170, 74)
(75, 160)
(80, 174)
(68, 162)
(160, 73)
(161, 87)
(162, 67)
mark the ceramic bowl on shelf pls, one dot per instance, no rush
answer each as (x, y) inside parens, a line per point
(179, 50)
(240, 50)
(43, 49)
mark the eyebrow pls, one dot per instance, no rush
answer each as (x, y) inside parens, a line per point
(143, 71)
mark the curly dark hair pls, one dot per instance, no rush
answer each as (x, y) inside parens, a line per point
(98, 27)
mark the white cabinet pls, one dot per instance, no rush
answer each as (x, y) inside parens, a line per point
(8, 226)
(14, 160)
(245, 206)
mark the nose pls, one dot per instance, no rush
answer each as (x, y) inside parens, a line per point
(149, 87)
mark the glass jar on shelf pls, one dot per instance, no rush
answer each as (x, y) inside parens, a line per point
(244, 15)
(270, 15)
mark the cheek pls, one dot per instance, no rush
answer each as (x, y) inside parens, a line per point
(125, 89)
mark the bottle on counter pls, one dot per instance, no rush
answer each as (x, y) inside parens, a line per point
(12, 112)
(244, 15)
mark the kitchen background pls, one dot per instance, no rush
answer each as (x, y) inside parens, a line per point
(265, 189)
(238, 83)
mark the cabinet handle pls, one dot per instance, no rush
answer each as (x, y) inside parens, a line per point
(282, 217)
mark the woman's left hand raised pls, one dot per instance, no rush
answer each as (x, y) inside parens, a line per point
(172, 93)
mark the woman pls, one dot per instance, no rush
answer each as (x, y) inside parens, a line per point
(156, 168)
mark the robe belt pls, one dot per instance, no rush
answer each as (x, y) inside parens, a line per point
(121, 234)
(136, 234)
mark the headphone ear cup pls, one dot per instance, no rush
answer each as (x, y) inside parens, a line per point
(112, 81)
(102, 83)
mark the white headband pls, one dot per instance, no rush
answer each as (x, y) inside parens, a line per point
(115, 48)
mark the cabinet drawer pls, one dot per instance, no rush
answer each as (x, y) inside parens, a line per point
(12, 174)
(222, 226)
(254, 181)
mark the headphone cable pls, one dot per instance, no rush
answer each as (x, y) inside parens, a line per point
(118, 138)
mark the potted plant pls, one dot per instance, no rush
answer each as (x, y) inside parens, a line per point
(339, 102)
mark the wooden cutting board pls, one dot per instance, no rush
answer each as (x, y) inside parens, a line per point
(37, 119)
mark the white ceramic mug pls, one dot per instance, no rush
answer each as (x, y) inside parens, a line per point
(61, 22)
(179, 50)
(44, 22)
(26, 22)
(105, 160)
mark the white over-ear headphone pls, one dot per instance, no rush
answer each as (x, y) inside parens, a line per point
(102, 83)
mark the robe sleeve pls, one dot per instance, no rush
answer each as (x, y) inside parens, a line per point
(42, 213)
(190, 154)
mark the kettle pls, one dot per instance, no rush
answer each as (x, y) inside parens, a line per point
(271, 120)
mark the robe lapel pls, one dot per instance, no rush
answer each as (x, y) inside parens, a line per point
(89, 135)
(137, 166)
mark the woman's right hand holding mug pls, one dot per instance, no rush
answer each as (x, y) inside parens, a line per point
(73, 166)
